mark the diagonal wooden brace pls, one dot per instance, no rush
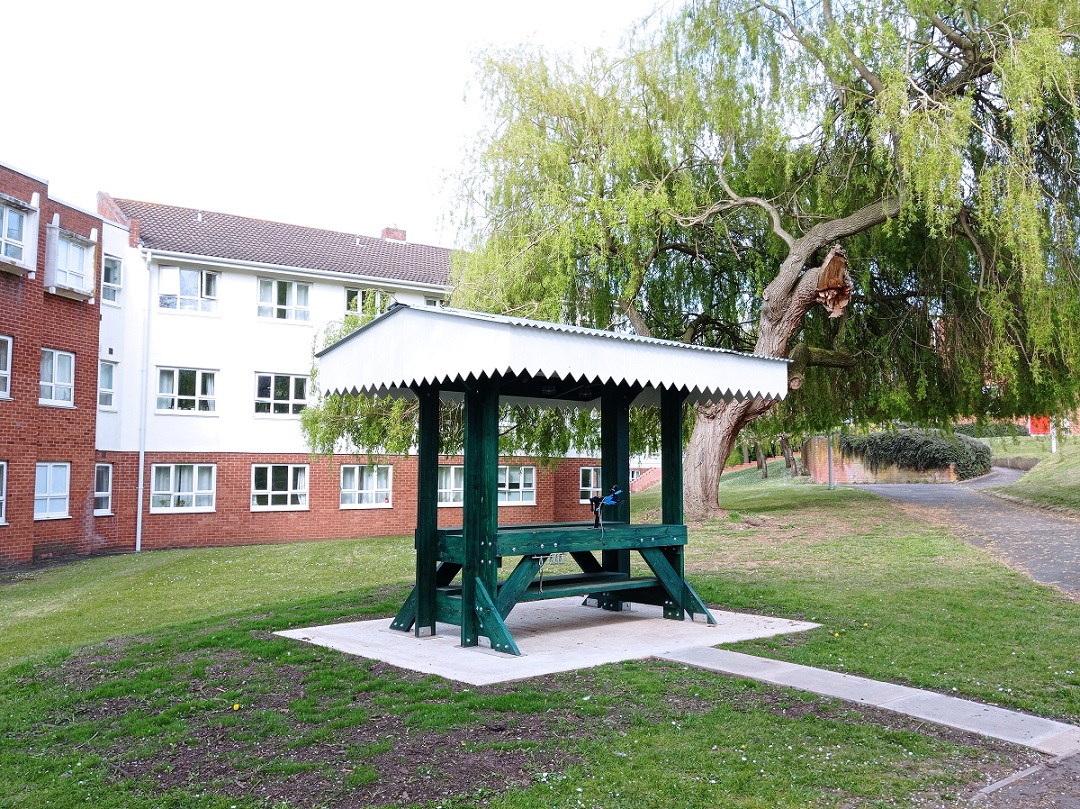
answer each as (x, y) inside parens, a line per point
(517, 583)
(677, 587)
(490, 622)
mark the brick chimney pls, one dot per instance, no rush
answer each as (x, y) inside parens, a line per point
(397, 234)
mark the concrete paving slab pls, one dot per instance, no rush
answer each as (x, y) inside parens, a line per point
(556, 635)
(988, 720)
(1046, 735)
(777, 672)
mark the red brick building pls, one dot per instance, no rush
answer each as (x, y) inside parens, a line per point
(49, 313)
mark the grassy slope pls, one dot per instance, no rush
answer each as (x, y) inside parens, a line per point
(96, 599)
(1055, 481)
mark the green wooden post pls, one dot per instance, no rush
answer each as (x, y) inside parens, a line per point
(671, 456)
(615, 471)
(427, 509)
(481, 507)
(671, 496)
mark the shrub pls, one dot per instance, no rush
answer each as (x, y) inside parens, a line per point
(920, 450)
(991, 429)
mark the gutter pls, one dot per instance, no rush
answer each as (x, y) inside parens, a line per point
(338, 275)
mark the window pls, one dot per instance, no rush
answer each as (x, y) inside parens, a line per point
(71, 262)
(279, 487)
(51, 491)
(366, 486)
(189, 290)
(590, 483)
(106, 384)
(368, 302)
(111, 277)
(280, 394)
(185, 390)
(517, 484)
(182, 487)
(12, 224)
(57, 385)
(103, 489)
(3, 492)
(5, 367)
(451, 485)
(432, 301)
(284, 300)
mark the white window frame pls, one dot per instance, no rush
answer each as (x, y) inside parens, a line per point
(270, 306)
(49, 491)
(356, 300)
(110, 290)
(295, 495)
(3, 492)
(202, 403)
(517, 493)
(171, 296)
(106, 397)
(452, 495)
(271, 406)
(103, 494)
(50, 362)
(72, 264)
(8, 244)
(593, 487)
(360, 486)
(6, 342)
(172, 499)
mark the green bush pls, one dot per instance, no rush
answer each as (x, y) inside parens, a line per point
(991, 429)
(920, 450)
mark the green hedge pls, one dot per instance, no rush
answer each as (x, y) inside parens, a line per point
(992, 429)
(920, 450)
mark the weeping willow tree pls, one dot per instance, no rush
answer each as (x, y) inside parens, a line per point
(885, 194)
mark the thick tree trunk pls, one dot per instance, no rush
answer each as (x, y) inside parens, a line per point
(789, 455)
(787, 299)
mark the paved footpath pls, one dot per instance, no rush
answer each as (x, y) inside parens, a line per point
(1041, 543)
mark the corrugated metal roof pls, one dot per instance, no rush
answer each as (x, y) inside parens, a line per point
(238, 238)
(409, 346)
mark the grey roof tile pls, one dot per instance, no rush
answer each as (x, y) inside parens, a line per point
(206, 233)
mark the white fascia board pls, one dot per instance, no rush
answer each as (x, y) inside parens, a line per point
(258, 266)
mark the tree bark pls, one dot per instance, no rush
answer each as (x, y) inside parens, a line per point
(788, 298)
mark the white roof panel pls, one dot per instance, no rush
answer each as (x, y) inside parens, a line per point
(409, 346)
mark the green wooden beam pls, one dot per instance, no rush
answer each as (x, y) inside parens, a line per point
(615, 470)
(676, 585)
(406, 616)
(427, 508)
(489, 622)
(516, 584)
(480, 506)
(671, 455)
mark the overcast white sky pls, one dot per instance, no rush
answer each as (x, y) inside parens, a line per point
(342, 115)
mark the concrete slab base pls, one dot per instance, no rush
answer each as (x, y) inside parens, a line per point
(556, 635)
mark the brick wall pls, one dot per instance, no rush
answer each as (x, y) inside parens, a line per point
(848, 469)
(32, 433)
(234, 523)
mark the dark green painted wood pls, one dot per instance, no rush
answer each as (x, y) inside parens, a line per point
(671, 456)
(580, 585)
(406, 616)
(448, 607)
(490, 622)
(586, 561)
(446, 572)
(480, 506)
(547, 541)
(510, 591)
(615, 465)
(677, 587)
(427, 508)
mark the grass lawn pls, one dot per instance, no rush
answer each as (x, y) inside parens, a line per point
(187, 700)
(1055, 481)
(1028, 446)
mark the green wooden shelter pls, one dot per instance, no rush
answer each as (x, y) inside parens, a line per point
(472, 576)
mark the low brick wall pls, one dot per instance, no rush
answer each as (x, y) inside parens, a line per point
(848, 469)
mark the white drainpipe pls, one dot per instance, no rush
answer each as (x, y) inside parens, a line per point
(144, 396)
